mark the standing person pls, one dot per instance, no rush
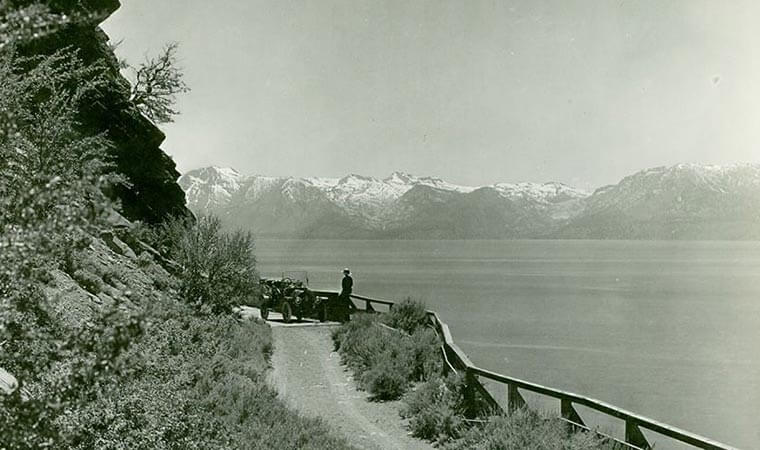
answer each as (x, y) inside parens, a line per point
(344, 299)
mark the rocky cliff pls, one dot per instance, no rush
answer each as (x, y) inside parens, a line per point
(153, 193)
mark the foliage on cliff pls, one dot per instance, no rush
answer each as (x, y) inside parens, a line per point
(156, 83)
(45, 27)
(104, 345)
(51, 202)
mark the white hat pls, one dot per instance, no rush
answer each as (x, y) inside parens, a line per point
(346, 270)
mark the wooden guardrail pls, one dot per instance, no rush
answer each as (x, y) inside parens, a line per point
(456, 359)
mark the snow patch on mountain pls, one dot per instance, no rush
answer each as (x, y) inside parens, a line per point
(361, 196)
(208, 187)
(322, 183)
(255, 187)
(681, 201)
(407, 181)
(551, 192)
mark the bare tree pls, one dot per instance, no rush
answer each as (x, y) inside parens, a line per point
(156, 84)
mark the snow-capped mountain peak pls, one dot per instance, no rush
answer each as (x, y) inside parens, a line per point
(210, 186)
(682, 201)
(361, 195)
(322, 183)
(551, 192)
(366, 198)
(400, 178)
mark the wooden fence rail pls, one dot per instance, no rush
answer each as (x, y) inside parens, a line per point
(456, 359)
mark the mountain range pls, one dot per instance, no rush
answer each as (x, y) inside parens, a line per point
(685, 201)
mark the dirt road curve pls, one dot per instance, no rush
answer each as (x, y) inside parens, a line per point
(309, 377)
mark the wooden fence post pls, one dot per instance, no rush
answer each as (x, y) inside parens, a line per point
(568, 412)
(470, 405)
(515, 401)
(634, 436)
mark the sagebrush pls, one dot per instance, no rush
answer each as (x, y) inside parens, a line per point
(218, 268)
(386, 360)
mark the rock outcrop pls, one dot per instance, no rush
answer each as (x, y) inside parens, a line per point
(153, 193)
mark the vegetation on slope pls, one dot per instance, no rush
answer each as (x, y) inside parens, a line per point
(388, 353)
(194, 381)
(389, 362)
(219, 268)
(107, 349)
(435, 410)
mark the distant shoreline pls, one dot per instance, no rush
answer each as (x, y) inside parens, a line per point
(289, 238)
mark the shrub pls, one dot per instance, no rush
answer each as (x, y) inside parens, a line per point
(51, 181)
(389, 374)
(408, 315)
(435, 408)
(163, 281)
(527, 429)
(218, 268)
(386, 361)
(426, 357)
(196, 381)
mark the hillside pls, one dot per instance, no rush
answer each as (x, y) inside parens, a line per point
(105, 341)
(685, 201)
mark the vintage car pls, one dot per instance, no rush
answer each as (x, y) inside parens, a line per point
(291, 297)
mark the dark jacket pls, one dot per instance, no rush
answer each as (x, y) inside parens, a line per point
(347, 285)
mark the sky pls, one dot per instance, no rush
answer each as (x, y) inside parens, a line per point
(472, 91)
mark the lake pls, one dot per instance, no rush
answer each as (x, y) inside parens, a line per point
(665, 329)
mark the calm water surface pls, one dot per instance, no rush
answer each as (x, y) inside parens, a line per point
(666, 329)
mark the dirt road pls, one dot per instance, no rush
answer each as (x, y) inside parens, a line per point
(309, 377)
